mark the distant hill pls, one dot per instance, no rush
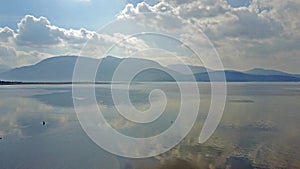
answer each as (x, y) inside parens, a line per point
(109, 65)
(260, 71)
(235, 76)
(60, 69)
(53, 69)
(184, 69)
(4, 68)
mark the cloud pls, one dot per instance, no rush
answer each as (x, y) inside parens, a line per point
(34, 31)
(6, 51)
(250, 32)
(6, 34)
(36, 39)
(37, 31)
(239, 3)
(245, 24)
(116, 44)
(216, 18)
(7, 55)
(12, 57)
(247, 32)
(202, 9)
(131, 10)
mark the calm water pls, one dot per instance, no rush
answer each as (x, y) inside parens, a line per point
(261, 123)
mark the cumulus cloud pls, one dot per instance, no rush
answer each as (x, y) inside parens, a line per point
(6, 34)
(245, 24)
(45, 39)
(130, 10)
(36, 31)
(255, 31)
(39, 32)
(202, 9)
(7, 55)
(216, 17)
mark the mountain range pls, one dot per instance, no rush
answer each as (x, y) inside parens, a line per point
(60, 69)
(4, 68)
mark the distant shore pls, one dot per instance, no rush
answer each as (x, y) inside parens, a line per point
(70, 83)
(48, 83)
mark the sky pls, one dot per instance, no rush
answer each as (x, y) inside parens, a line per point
(246, 33)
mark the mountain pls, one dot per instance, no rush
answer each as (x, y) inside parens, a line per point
(4, 68)
(235, 76)
(260, 71)
(52, 69)
(109, 65)
(60, 69)
(187, 69)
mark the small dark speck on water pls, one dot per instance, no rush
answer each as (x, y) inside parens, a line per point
(171, 122)
(0, 138)
(44, 123)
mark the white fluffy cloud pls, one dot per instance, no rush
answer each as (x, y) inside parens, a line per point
(34, 31)
(250, 35)
(260, 33)
(46, 39)
(143, 7)
(245, 24)
(37, 31)
(6, 34)
(216, 17)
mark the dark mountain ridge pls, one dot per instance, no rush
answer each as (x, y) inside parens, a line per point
(60, 69)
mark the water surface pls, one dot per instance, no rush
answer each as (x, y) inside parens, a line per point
(261, 123)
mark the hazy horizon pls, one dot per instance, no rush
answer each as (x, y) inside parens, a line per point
(241, 70)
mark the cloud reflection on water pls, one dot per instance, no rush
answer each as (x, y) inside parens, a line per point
(266, 130)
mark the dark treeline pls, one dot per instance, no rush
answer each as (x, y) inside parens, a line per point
(9, 82)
